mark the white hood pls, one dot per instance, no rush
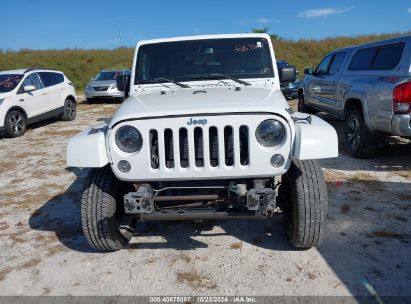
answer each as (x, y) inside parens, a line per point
(202, 101)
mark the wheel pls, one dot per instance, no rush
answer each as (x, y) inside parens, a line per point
(15, 123)
(304, 203)
(70, 110)
(102, 211)
(89, 100)
(359, 140)
(302, 107)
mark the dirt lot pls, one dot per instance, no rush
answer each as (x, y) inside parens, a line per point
(43, 251)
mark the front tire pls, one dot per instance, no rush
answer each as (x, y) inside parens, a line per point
(15, 124)
(70, 110)
(304, 203)
(302, 107)
(102, 211)
(359, 140)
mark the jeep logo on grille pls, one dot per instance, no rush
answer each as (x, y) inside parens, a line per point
(197, 122)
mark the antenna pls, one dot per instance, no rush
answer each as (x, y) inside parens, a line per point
(119, 35)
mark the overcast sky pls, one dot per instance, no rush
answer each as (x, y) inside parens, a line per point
(44, 24)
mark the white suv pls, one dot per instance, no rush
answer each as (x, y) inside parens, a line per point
(31, 95)
(205, 133)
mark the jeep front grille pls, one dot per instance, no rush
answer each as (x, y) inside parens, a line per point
(199, 146)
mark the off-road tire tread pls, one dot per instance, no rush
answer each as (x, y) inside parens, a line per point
(309, 202)
(98, 206)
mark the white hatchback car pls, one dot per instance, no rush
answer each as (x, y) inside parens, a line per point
(31, 95)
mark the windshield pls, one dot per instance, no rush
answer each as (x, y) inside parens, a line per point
(9, 81)
(110, 75)
(189, 60)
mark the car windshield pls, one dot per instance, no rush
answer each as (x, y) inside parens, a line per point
(197, 59)
(9, 81)
(109, 75)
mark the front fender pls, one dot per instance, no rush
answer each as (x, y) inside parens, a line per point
(87, 149)
(314, 140)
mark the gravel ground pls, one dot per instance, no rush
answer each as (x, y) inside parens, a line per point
(43, 251)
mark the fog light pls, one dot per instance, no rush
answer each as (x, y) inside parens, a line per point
(124, 166)
(277, 160)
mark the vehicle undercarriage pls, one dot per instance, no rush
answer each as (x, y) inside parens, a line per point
(215, 199)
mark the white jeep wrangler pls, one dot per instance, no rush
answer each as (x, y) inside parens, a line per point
(205, 133)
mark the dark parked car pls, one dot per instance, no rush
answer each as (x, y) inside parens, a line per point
(289, 88)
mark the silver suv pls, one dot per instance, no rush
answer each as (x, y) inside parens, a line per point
(369, 86)
(104, 85)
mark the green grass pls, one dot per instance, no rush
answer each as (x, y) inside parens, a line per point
(80, 65)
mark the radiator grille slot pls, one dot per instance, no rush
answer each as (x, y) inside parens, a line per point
(169, 148)
(213, 145)
(244, 146)
(154, 155)
(183, 142)
(228, 146)
(199, 147)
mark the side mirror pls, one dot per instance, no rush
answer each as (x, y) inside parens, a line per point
(29, 88)
(308, 71)
(123, 84)
(287, 73)
(92, 78)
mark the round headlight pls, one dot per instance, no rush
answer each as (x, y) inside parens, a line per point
(129, 139)
(270, 133)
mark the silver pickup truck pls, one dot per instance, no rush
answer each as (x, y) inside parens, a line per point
(369, 86)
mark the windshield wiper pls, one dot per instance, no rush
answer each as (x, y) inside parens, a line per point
(160, 80)
(216, 76)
